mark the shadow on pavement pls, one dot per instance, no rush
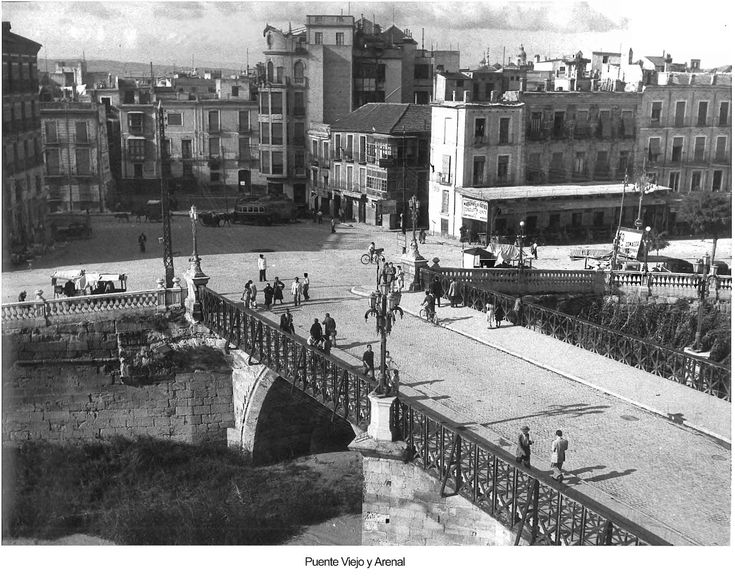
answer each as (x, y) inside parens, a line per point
(579, 471)
(576, 410)
(610, 475)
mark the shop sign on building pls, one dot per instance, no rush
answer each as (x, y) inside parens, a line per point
(630, 242)
(474, 209)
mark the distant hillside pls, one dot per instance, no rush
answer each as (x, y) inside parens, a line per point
(117, 68)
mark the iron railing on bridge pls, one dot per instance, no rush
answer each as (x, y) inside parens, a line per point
(474, 468)
(697, 373)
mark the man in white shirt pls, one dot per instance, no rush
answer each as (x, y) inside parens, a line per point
(262, 267)
(296, 289)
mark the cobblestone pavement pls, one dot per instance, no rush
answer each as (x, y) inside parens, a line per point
(669, 472)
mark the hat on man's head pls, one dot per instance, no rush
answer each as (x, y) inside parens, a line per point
(525, 428)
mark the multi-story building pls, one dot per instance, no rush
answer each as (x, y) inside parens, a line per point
(476, 147)
(24, 198)
(380, 160)
(76, 149)
(685, 131)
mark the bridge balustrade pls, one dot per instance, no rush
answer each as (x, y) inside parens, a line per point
(470, 465)
(532, 281)
(519, 498)
(675, 365)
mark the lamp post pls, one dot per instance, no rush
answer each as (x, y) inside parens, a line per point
(414, 204)
(646, 247)
(644, 186)
(616, 242)
(384, 305)
(521, 236)
(194, 261)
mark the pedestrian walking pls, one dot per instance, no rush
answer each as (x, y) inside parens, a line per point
(499, 314)
(22, 296)
(262, 267)
(368, 361)
(268, 296)
(319, 217)
(296, 291)
(315, 333)
(453, 293)
(523, 447)
(253, 295)
(326, 345)
(141, 241)
(422, 236)
(278, 287)
(287, 322)
(558, 454)
(437, 292)
(489, 315)
(393, 383)
(516, 315)
(400, 279)
(331, 223)
(330, 328)
(534, 251)
(246, 294)
(305, 287)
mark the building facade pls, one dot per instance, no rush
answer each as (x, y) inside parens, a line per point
(24, 196)
(474, 146)
(76, 150)
(380, 160)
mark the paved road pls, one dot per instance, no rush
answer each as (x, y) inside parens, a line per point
(675, 474)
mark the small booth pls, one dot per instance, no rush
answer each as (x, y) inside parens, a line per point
(478, 258)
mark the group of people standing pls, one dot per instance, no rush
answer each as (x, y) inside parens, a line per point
(559, 447)
(273, 294)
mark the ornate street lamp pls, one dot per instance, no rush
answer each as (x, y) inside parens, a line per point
(521, 237)
(384, 304)
(414, 204)
(646, 247)
(194, 261)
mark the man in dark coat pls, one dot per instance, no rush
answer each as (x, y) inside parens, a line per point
(523, 447)
(268, 295)
(315, 332)
(436, 290)
(287, 322)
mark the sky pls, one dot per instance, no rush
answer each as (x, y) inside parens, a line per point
(229, 34)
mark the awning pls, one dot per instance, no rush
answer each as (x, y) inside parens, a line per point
(547, 192)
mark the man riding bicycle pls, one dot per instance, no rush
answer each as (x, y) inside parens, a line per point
(428, 306)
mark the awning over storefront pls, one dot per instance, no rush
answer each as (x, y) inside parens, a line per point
(548, 192)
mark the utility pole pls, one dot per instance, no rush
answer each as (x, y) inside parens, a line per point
(168, 257)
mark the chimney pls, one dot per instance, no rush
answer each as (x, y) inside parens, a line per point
(691, 78)
(537, 58)
(695, 65)
(522, 85)
(468, 96)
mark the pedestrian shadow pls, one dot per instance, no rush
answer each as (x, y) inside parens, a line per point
(611, 475)
(412, 384)
(676, 418)
(574, 410)
(579, 471)
(355, 344)
(446, 320)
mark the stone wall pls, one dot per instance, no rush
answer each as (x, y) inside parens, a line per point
(402, 506)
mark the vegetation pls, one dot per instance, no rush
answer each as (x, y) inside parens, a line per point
(149, 491)
(707, 213)
(671, 325)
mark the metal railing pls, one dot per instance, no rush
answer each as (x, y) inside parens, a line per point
(328, 380)
(691, 371)
(470, 465)
(519, 498)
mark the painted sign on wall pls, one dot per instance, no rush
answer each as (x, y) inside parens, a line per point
(630, 242)
(474, 209)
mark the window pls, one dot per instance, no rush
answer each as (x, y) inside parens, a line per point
(318, 37)
(445, 201)
(243, 117)
(559, 124)
(628, 124)
(653, 149)
(299, 138)
(186, 149)
(720, 149)
(235, 91)
(276, 103)
(479, 128)
(716, 180)
(277, 163)
(536, 118)
(557, 173)
(137, 171)
(136, 149)
(422, 71)
(340, 38)
(269, 72)
(264, 103)
(674, 181)
(724, 110)
(279, 74)
(265, 163)
(579, 163)
(53, 164)
(214, 146)
(623, 161)
(702, 114)
(376, 180)
(135, 122)
(363, 145)
(349, 178)
(214, 177)
(298, 104)
(265, 133)
(605, 124)
(478, 171)
(338, 146)
(446, 173)
(680, 110)
(82, 157)
(601, 163)
(696, 181)
(129, 97)
(277, 133)
(213, 120)
(244, 148)
(325, 151)
(656, 112)
(298, 160)
(174, 119)
(598, 219)
(699, 142)
(503, 162)
(81, 133)
(504, 134)
(51, 132)
(298, 72)
(447, 130)
(576, 220)
(677, 148)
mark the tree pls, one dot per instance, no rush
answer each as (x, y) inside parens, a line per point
(658, 240)
(706, 213)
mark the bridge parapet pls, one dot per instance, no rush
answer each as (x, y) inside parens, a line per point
(687, 369)
(42, 312)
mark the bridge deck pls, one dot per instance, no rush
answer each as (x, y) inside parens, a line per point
(666, 474)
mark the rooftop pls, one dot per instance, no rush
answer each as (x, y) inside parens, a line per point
(384, 118)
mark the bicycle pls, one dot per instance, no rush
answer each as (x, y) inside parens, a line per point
(366, 259)
(433, 319)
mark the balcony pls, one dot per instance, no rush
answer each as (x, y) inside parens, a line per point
(386, 162)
